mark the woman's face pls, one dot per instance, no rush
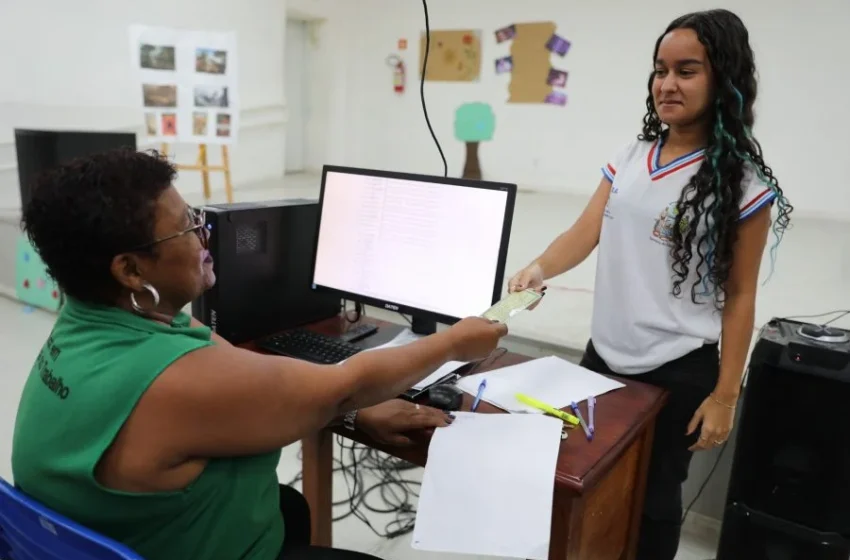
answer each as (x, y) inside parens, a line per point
(181, 268)
(682, 83)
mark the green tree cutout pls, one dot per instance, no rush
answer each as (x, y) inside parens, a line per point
(474, 123)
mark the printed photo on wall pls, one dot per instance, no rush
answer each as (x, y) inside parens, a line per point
(222, 125)
(151, 124)
(156, 57)
(211, 61)
(200, 123)
(505, 33)
(557, 78)
(211, 96)
(169, 124)
(504, 65)
(159, 96)
(558, 45)
(557, 98)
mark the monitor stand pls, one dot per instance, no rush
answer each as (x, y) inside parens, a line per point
(422, 326)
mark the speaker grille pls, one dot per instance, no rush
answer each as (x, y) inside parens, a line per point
(250, 238)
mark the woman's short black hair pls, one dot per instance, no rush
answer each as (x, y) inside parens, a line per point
(84, 213)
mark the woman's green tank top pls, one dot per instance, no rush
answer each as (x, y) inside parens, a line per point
(91, 372)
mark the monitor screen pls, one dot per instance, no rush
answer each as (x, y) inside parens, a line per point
(414, 244)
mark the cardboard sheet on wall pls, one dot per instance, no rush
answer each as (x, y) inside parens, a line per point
(531, 63)
(455, 56)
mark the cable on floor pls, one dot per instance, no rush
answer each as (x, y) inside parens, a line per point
(392, 494)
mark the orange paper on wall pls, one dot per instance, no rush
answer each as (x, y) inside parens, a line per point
(531, 63)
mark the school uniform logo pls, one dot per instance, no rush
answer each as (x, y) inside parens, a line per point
(663, 230)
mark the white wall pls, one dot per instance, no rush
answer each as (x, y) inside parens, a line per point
(803, 117)
(67, 65)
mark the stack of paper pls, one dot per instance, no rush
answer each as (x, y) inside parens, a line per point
(488, 486)
(552, 380)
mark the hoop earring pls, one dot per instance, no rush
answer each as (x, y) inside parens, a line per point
(138, 308)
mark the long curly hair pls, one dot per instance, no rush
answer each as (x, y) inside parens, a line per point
(714, 193)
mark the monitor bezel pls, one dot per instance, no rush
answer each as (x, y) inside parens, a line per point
(418, 313)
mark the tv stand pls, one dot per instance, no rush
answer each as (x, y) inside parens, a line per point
(422, 326)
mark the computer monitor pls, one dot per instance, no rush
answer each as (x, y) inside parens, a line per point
(430, 247)
(39, 150)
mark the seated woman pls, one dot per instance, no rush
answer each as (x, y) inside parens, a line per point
(140, 423)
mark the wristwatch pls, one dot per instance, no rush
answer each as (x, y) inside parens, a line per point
(349, 419)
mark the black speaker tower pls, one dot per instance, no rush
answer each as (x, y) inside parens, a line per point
(789, 493)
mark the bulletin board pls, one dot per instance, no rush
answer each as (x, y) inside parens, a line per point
(531, 63)
(454, 56)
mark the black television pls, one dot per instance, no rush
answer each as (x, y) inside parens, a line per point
(40, 150)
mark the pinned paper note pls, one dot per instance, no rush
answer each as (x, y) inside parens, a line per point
(556, 98)
(558, 45)
(505, 33)
(504, 65)
(557, 78)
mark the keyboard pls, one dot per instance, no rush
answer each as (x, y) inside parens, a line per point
(309, 346)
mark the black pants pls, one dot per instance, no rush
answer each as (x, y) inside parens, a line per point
(296, 543)
(689, 381)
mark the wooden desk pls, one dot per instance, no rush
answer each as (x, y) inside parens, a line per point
(599, 485)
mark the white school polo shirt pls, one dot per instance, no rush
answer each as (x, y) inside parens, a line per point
(638, 325)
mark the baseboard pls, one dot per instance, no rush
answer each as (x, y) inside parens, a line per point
(9, 292)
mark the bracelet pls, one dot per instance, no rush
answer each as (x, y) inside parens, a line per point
(729, 406)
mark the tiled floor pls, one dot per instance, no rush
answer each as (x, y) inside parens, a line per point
(807, 280)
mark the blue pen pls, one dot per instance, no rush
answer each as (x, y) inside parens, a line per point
(577, 412)
(478, 396)
(591, 408)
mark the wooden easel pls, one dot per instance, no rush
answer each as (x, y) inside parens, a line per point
(204, 167)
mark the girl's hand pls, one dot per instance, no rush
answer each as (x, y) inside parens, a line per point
(717, 420)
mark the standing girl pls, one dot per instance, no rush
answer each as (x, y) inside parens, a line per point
(681, 219)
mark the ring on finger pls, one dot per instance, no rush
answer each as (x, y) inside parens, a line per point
(417, 407)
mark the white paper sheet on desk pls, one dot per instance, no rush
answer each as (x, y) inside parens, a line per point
(551, 380)
(488, 486)
(406, 337)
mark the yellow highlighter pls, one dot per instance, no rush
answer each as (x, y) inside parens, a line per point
(531, 401)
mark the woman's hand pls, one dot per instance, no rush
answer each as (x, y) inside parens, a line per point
(390, 422)
(716, 419)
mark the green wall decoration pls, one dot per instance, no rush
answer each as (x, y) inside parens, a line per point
(33, 286)
(474, 123)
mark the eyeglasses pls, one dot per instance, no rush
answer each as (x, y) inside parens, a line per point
(198, 219)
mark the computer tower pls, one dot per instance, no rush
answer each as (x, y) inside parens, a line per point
(789, 491)
(263, 256)
(39, 150)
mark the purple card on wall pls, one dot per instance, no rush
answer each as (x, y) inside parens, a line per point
(557, 98)
(558, 45)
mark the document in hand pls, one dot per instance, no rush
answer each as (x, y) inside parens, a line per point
(552, 380)
(488, 486)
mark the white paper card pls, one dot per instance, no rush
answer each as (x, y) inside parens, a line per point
(551, 380)
(488, 486)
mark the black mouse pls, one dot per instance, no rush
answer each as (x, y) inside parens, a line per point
(445, 397)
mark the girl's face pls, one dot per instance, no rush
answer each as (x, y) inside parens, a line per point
(682, 83)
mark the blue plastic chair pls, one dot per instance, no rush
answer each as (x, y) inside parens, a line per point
(30, 531)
